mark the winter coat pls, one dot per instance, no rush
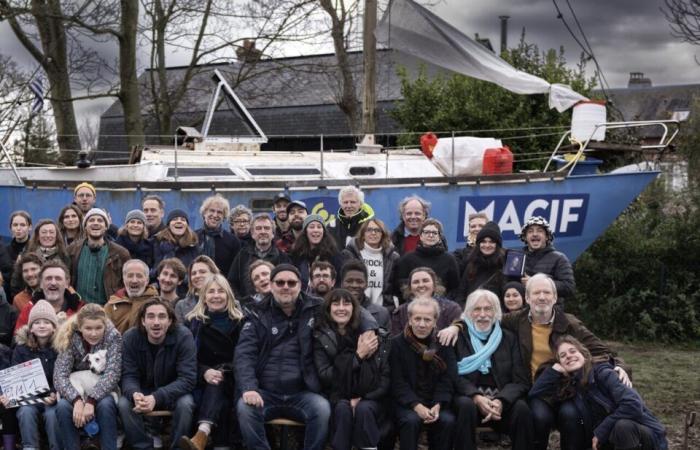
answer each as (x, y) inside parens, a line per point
(226, 247)
(23, 353)
(389, 259)
(370, 377)
(123, 311)
(519, 323)
(304, 266)
(489, 278)
(436, 258)
(71, 304)
(238, 274)
(404, 363)
(606, 391)
(347, 227)
(215, 349)
(258, 337)
(184, 306)
(143, 249)
(6, 265)
(165, 249)
(556, 265)
(173, 371)
(72, 354)
(398, 236)
(8, 319)
(449, 312)
(112, 271)
(507, 370)
(22, 299)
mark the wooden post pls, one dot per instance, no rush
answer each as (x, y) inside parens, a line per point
(369, 53)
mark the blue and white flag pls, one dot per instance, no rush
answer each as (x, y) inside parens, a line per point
(37, 87)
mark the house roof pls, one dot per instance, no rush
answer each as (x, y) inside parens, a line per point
(653, 102)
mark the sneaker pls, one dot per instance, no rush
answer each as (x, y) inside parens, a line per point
(157, 442)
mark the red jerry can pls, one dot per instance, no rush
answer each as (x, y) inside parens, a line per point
(497, 161)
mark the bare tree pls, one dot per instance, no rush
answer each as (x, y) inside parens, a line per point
(684, 17)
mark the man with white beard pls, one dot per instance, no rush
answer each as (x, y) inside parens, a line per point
(122, 308)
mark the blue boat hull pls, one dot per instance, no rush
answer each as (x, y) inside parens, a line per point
(579, 208)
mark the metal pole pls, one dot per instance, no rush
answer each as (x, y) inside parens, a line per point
(322, 157)
(453, 153)
(175, 141)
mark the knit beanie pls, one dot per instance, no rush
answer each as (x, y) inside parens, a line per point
(490, 230)
(96, 211)
(85, 185)
(174, 214)
(517, 285)
(312, 218)
(135, 214)
(42, 310)
(284, 267)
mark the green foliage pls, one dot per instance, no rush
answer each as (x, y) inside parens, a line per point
(461, 103)
(38, 143)
(641, 279)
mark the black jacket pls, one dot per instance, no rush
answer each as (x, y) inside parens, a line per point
(215, 349)
(142, 249)
(404, 370)
(370, 377)
(488, 275)
(390, 257)
(556, 265)
(442, 262)
(8, 319)
(47, 355)
(506, 367)
(226, 248)
(258, 337)
(345, 227)
(174, 369)
(238, 274)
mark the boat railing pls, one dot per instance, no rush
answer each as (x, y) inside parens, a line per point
(667, 136)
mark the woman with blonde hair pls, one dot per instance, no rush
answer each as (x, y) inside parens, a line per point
(87, 331)
(215, 323)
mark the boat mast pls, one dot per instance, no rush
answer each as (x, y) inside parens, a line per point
(369, 54)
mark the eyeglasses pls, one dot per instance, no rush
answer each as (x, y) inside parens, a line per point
(289, 283)
(373, 230)
(430, 233)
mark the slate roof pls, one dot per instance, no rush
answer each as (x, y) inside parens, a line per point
(286, 96)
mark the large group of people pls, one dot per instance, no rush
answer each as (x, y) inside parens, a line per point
(364, 335)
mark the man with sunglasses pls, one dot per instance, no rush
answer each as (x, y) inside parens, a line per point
(274, 364)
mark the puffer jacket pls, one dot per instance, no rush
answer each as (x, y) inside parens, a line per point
(173, 370)
(258, 337)
(72, 354)
(615, 400)
(371, 376)
(390, 257)
(23, 353)
(556, 265)
(347, 227)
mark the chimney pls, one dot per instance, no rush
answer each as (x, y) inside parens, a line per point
(504, 32)
(247, 52)
(637, 80)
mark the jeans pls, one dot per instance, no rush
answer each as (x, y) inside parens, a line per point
(105, 414)
(28, 417)
(135, 429)
(307, 407)
(214, 406)
(566, 418)
(410, 424)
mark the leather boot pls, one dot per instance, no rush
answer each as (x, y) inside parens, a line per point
(196, 442)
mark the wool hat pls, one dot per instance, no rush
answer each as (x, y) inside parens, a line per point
(284, 267)
(175, 213)
(490, 230)
(517, 285)
(312, 218)
(42, 310)
(96, 211)
(85, 185)
(298, 204)
(537, 220)
(135, 214)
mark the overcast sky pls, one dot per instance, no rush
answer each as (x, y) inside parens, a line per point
(626, 36)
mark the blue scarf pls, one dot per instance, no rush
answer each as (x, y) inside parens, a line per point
(481, 359)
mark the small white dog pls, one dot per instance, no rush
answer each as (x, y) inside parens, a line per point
(85, 380)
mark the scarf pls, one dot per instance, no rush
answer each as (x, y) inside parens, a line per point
(481, 359)
(48, 253)
(209, 244)
(427, 353)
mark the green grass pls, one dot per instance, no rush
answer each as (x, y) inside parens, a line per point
(668, 378)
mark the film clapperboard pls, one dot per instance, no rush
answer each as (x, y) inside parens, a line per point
(24, 384)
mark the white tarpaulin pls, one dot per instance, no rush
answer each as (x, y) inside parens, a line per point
(411, 28)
